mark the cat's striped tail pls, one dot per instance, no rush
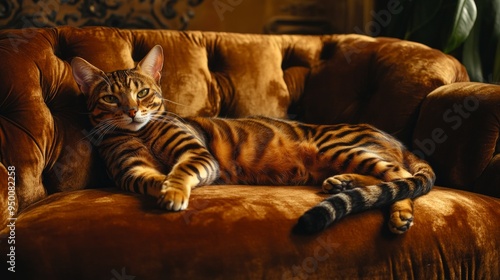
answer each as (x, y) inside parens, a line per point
(356, 200)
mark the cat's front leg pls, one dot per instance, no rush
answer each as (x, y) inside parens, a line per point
(191, 170)
(175, 192)
(174, 197)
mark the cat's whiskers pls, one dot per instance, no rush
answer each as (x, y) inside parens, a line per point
(175, 103)
(169, 117)
(101, 129)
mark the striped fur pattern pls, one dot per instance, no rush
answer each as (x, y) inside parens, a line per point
(151, 151)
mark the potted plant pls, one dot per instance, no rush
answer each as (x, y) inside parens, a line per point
(466, 29)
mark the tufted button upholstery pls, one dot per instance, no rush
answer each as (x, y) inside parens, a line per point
(319, 79)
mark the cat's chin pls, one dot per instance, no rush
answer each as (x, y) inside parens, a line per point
(134, 126)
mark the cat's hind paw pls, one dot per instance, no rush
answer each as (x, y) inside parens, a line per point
(400, 221)
(348, 181)
(173, 199)
(337, 184)
(401, 216)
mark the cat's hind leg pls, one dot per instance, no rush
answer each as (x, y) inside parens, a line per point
(401, 212)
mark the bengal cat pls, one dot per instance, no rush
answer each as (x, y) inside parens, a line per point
(151, 151)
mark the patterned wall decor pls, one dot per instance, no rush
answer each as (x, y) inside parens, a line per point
(167, 14)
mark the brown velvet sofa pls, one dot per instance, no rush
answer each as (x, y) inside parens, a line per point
(68, 221)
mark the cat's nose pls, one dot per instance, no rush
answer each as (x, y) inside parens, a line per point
(132, 113)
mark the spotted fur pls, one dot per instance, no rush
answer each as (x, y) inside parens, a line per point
(151, 151)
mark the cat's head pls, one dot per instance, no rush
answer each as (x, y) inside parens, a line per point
(125, 99)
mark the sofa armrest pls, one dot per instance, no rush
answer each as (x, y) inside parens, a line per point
(4, 188)
(458, 133)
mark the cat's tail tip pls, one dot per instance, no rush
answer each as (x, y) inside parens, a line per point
(313, 221)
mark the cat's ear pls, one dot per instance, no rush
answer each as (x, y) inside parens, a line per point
(152, 63)
(85, 74)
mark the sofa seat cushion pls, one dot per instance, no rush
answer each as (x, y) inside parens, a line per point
(244, 232)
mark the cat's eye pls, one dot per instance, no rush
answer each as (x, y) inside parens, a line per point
(143, 93)
(110, 99)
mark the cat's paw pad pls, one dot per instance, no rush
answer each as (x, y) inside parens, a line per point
(173, 199)
(337, 184)
(400, 221)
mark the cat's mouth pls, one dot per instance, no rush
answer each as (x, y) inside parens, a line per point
(135, 125)
(126, 122)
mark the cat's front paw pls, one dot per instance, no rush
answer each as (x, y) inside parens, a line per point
(173, 199)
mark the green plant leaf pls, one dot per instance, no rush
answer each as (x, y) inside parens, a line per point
(471, 57)
(496, 69)
(465, 17)
(494, 20)
(481, 50)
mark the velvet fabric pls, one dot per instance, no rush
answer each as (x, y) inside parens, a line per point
(71, 223)
(243, 232)
(458, 133)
